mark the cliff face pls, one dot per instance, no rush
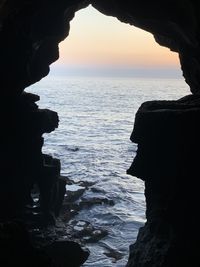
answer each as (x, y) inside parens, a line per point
(30, 32)
(167, 136)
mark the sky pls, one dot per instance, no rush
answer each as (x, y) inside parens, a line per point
(99, 44)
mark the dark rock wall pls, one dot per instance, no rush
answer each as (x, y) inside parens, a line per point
(167, 136)
(22, 162)
(174, 24)
(31, 30)
(29, 35)
(167, 133)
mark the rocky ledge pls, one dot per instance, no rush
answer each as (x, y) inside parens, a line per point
(32, 240)
(167, 134)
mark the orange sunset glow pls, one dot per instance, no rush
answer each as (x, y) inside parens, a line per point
(96, 39)
(100, 45)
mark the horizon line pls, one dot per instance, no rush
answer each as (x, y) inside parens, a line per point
(116, 71)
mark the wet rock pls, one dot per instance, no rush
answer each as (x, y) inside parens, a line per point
(82, 228)
(57, 244)
(114, 254)
(71, 203)
(97, 190)
(73, 149)
(86, 184)
(87, 232)
(90, 201)
(74, 191)
(96, 235)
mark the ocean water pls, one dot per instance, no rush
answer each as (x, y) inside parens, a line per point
(92, 142)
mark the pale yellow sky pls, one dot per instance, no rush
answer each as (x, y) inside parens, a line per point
(96, 39)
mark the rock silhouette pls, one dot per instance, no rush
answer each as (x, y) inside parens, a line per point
(167, 133)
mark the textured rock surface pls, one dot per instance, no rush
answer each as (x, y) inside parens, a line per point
(167, 136)
(167, 132)
(23, 164)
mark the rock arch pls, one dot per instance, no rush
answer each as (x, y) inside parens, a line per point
(29, 35)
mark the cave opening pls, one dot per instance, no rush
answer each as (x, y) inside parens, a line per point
(166, 133)
(96, 118)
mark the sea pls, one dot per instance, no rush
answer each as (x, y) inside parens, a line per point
(93, 143)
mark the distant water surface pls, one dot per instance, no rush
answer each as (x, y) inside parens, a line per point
(92, 141)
